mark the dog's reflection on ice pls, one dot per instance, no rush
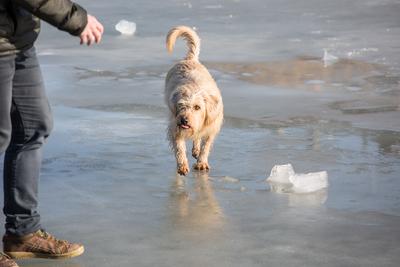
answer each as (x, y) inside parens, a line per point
(194, 207)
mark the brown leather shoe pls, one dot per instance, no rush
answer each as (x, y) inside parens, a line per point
(6, 261)
(40, 245)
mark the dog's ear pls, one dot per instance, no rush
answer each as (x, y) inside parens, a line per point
(173, 101)
(212, 108)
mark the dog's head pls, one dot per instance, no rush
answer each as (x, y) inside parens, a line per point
(193, 110)
(190, 111)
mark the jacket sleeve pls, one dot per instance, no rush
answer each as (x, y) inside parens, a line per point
(63, 14)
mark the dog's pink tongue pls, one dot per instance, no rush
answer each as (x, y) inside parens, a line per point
(185, 126)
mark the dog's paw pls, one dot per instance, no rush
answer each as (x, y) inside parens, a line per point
(183, 169)
(202, 166)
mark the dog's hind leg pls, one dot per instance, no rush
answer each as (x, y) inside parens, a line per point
(196, 148)
(202, 161)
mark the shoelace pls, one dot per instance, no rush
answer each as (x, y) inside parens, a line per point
(42, 233)
(5, 255)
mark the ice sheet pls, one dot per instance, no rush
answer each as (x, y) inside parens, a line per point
(109, 160)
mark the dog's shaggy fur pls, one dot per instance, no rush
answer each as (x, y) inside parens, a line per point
(194, 101)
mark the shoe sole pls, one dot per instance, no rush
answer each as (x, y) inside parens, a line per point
(30, 255)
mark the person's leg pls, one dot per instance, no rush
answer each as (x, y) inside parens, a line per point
(31, 124)
(7, 67)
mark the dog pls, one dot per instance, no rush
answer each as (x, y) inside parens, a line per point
(194, 101)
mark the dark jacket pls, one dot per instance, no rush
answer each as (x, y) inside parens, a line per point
(20, 21)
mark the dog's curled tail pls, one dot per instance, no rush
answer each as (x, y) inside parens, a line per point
(192, 41)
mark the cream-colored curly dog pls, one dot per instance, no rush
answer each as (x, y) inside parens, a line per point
(194, 101)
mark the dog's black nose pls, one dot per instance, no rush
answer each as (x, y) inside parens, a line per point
(184, 121)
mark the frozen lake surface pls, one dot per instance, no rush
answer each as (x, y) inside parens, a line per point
(109, 178)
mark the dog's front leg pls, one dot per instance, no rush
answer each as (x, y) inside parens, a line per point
(196, 148)
(180, 154)
(202, 161)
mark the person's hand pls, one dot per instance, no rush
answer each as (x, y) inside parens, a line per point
(92, 32)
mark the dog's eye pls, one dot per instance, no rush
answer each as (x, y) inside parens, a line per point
(197, 107)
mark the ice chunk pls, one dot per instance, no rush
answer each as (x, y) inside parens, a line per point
(283, 179)
(328, 58)
(126, 27)
(46, 53)
(213, 6)
(229, 179)
(310, 182)
(314, 82)
(281, 174)
(189, 5)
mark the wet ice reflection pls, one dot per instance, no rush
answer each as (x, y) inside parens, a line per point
(194, 208)
(316, 199)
